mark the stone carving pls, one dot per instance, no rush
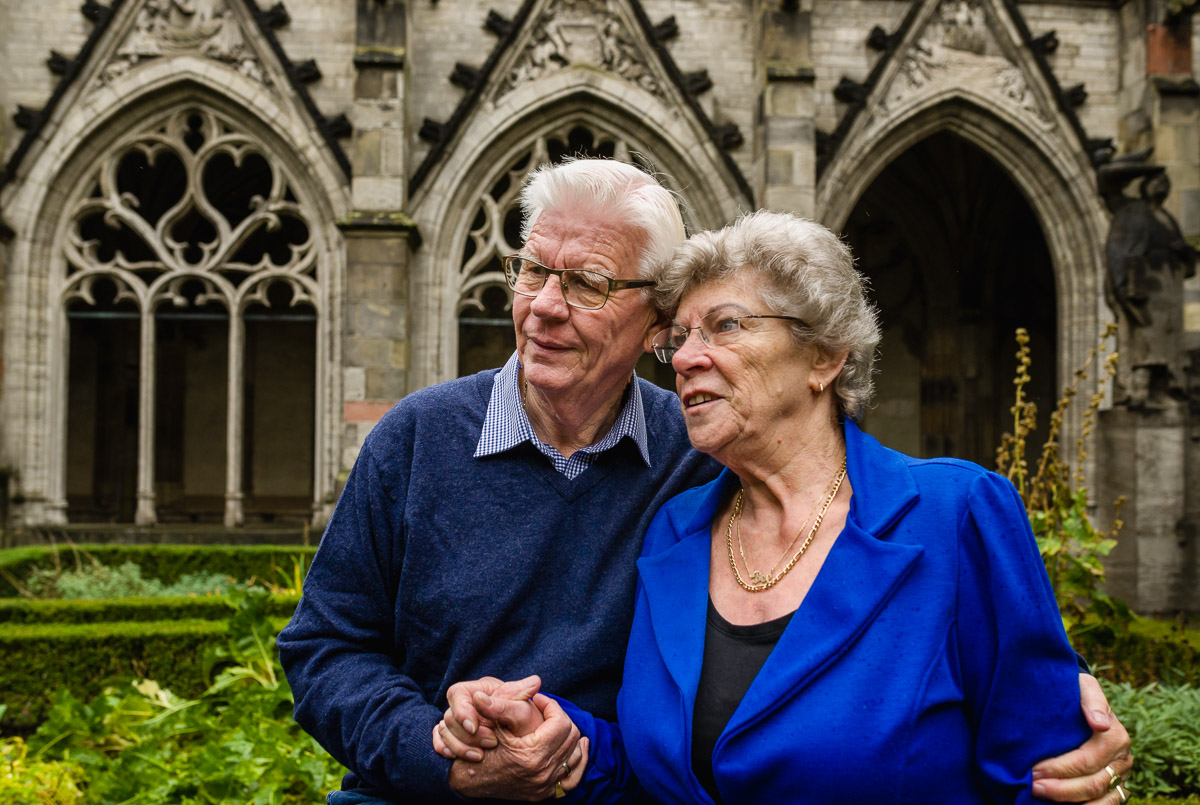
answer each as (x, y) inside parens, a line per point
(201, 27)
(579, 32)
(1148, 260)
(956, 49)
(190, 197)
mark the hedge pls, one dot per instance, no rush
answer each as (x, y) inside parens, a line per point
(163, 562)
(36, 660)
(105, 610)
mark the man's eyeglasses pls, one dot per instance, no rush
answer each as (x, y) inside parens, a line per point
(587, 290)
(717, 329)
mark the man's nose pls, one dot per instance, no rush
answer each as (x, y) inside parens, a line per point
(551, 300)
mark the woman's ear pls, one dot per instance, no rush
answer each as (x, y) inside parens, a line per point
(826, 368)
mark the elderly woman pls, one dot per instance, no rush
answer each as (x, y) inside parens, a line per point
(829, 620)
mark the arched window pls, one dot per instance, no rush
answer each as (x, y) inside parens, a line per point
(191, 300)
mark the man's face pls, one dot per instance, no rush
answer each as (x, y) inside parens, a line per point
(568, 350)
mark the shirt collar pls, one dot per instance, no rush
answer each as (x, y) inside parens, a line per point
(506, 425)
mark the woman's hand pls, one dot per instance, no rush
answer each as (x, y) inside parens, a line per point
(1084, 773)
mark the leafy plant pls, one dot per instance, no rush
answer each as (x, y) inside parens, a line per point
(1072, 547)
(140, 743)
(1161, 719)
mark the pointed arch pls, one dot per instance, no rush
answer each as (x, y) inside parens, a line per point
(62, 181)
(496, 141)
(1052, 176)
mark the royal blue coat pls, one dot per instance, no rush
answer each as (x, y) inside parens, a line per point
(927, 664)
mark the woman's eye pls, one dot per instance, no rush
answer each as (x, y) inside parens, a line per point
(725, 324)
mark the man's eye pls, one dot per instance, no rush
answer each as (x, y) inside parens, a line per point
(532, 269)
(586, 280)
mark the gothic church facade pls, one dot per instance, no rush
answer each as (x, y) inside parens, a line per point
(232, 233)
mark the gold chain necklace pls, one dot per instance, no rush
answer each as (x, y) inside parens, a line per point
(756, 576)
(759, 582)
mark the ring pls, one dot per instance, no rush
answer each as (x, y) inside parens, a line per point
(1121, 793)
(1114, 778)
(560, 792)
(566, 767)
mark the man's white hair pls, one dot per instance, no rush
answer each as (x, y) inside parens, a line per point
(606, 188)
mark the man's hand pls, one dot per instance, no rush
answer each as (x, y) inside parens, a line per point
(526, 767)
(467, 725)
(1081, 775)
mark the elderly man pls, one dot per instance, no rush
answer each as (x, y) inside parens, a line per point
(491, 524)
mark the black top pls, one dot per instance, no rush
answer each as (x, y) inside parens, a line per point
(733, 656)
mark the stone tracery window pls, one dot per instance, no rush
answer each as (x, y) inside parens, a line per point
(485, 301)
(190, 231)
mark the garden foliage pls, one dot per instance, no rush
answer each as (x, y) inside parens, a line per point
(140, 742)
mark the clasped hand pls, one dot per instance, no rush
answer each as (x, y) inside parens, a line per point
(508, 740)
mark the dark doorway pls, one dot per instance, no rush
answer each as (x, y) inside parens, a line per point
(957, 262)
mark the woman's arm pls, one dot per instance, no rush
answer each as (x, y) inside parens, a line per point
(1019, 675)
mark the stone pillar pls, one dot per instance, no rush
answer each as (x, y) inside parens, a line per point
(1142, 456)
(379, 235)
(786, 165)
(1152, 457)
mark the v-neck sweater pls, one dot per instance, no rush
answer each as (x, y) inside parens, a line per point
(438, 567)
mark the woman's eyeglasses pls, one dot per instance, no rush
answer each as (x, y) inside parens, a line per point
(717, 329)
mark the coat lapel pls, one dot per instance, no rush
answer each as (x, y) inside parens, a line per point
(860, 575)
(675, 582)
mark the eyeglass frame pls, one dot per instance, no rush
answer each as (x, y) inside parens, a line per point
(613, 284)
(659, 350)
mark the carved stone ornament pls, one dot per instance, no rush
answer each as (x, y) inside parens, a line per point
(579, 32)
(195, 27)
(957, 49)
(190, 198)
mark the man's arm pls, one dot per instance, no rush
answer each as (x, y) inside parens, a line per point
(341, 656)
(1081, 774)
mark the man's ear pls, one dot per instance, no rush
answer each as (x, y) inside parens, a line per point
(658, 321)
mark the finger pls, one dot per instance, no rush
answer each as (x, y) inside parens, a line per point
(516, 717)
(458, 696)
(577, 769)
(558, 731)
(518, 690)
(577, 754)
(1094, 703)
(1091, 788)
(454, 748)
(483, 736)
(1110, 747)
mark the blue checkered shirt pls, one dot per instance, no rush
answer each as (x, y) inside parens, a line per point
(506, 425)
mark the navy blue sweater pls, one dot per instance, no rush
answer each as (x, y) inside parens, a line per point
(438, 567)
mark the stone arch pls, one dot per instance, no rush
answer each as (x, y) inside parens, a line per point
(678, 152)
(36, 385)
(1053, 176)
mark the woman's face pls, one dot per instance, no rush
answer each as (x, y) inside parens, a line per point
(743, 394)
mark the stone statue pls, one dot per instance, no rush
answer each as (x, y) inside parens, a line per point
(1148, 260)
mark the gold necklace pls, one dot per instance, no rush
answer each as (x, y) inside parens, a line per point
(756, 576)
(759, 582)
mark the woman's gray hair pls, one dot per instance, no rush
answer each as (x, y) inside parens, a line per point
(798, 268)
(606, 188)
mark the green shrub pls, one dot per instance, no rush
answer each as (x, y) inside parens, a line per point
(122, 581)
(1139, 652)
(38, 659)
(1162, 721)
(22, 610)
(234, 742)
(276, 564)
